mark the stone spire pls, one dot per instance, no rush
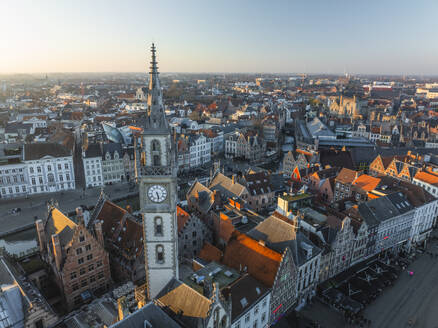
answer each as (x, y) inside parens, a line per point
(156, 121)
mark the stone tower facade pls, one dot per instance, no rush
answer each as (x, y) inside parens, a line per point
(157, 176)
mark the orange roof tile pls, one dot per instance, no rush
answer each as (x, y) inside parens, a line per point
(427, 178)
(366, 182)
(261, 262)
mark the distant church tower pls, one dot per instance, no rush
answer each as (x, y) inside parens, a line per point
(157, 172)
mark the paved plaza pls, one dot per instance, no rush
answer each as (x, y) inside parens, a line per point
(411, 298)
(410, 302)
(68, 201)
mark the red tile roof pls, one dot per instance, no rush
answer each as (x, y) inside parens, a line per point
(261, 262)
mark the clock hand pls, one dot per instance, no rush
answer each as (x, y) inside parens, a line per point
(158, 196)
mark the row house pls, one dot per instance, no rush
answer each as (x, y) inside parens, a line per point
(75, 254)
(250, 148)
(250, 301)
(112, 163)
(261, 192)
(92, 162)
(402, 167)
(427, 180)
(275, 270)
(343, 183)
(49, 167)
(301, 159)
(279, 233)
(200, 150)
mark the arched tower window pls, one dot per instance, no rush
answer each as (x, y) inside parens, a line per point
(159, 250)
(156, 153)
(158, 226)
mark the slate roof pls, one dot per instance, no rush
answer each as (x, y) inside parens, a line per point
(258, 183)
(150, 313)
(93, 150)
(383, 208)
(335, 158)
(200, 194)
(244, 293)
(111, 148)
(38, 150)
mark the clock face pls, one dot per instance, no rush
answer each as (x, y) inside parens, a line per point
(157, 193)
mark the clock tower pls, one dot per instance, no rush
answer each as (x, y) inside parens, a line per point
(157, 171)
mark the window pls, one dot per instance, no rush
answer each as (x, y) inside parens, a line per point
(159, 253)
(99, 263)
(89, 257)
(73, 275)
(92, 279)
(39, 169)
(100, 275)
(31, 170)
(40, 179)
(75, 286)
(81, 260)
(61, 178)
(247, 317)
(78, 251)
(84, 282)
(59, 166)
(66, 166)
(91, 267)
(51, 178)
(87, 248)
(81, 238)
(49, 168)
(158, 223)
(82, 271)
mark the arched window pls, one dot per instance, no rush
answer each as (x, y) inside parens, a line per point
(159, 250)
(155, 145)
(158, 226)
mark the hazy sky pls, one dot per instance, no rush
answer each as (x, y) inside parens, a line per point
(330, 36)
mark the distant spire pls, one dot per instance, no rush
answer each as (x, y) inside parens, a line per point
(156, 119)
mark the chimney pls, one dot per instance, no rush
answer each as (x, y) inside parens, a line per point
(233, 178)
(80, 215)
(41, 235)
(262, 242)
(57, 250)
(99, 232)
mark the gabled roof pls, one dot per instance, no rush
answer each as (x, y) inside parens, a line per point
(366, 182)
(58, 223)
(180, 298)
(261, 262)
(200, 194)
(346, 176)
(226, 185)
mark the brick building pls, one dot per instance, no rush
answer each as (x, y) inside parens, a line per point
(75, 254)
